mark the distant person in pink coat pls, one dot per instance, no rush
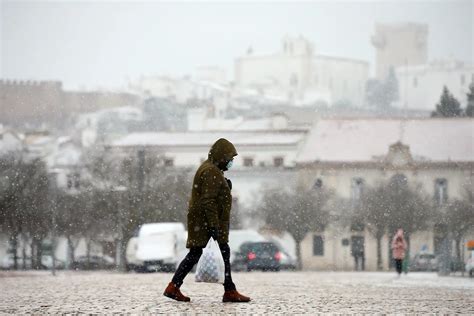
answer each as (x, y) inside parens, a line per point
(399, 245)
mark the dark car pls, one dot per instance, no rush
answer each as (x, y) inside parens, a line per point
(424, 261)
(93, 263)
(258, 256)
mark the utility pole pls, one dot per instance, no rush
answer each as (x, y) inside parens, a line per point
(118, 193)
(53, 200)
(141, 180)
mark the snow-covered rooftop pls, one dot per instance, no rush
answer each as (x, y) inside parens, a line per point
(9, 142)
(358, 140)
(208, 138)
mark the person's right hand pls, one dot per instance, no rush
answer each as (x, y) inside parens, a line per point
(213, 233)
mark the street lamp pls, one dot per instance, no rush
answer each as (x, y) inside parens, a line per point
(119, 190)
(52, 187)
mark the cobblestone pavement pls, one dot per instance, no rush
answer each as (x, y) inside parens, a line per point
(272, 293)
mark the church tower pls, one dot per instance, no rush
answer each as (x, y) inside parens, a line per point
(399, 45)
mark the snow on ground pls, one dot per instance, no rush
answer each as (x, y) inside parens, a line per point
(272, 293)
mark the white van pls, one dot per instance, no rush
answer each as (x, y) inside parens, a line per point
(157, 247)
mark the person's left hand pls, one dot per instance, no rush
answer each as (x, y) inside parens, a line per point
(213, 233)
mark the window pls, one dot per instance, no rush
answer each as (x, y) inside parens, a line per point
(318, 245)
(69, 181)
(357, 184)
(463, 80)
(77, 183)
(415, 82)
(73, 181)
(441, 191)
(318, 183)
(248, 162)
(169, 162)
(278, 161)
(398, 180)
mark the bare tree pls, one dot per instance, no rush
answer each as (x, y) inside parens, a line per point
(135, 190)
(297, 210)
(68, 220)
(390, 205)
(458, 218)
(23, 200)
(36, 206)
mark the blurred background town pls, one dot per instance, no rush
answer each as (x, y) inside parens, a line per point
(335, 152)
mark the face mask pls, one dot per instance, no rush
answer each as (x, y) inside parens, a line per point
(229, 164)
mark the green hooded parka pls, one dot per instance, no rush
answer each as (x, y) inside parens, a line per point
(211, 199)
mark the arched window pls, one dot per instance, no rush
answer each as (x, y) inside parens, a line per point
(399, 180)
(441, 191)
(318, 183)
(357, 186)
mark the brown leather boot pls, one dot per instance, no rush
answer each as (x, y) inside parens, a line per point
(172, 291)
(234, 297)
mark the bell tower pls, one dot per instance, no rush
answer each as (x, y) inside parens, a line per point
(399, 45)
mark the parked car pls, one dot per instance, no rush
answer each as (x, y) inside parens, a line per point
(95, 262)
(258, 256)
(470, 263)
(424, 261)
(156, 247)
(287, 262)
(46, 263)
(237, 237)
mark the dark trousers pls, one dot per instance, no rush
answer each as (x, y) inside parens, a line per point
(359, 261)
(193, 257)
(398, 265)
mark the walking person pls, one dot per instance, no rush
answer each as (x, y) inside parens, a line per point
(358, 252)
(209, 216)
(399, 247)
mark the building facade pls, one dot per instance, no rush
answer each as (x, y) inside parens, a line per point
(399, 44)
(37, 102)
(347, 156)
(420, 87)
(297, 74)
(264, 158)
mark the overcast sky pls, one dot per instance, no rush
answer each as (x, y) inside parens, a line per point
(102, 43)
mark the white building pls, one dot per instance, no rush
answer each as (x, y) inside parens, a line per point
(211, 74)
(297, 74)
(199, 121)
(264, 157)
(346, 155)
(66, 163)
(209, 85)
(420, 87)
(399, 44)
(11, 143)
(179, 89)
(106, 124)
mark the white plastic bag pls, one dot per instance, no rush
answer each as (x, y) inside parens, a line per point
(210, 267)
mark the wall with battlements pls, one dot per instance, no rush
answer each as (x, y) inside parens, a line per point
(45, 101)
